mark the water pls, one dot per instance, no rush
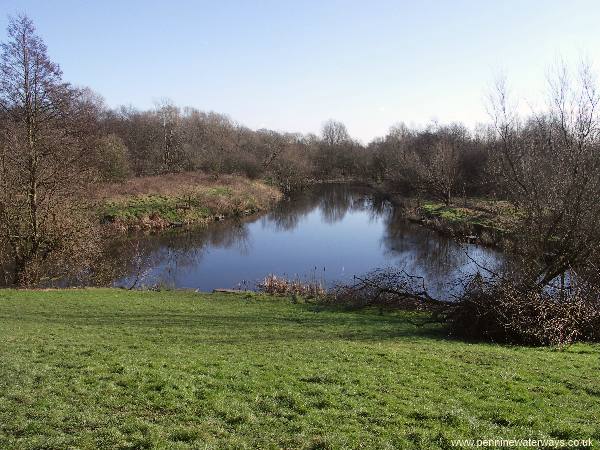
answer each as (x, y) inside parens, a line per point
(328, 234)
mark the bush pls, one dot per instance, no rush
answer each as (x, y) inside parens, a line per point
(71, 245)
(497, 309)
(504, 313)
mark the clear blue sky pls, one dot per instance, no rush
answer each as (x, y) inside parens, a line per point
(290, 65)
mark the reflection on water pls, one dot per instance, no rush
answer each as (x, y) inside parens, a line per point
(330, 233)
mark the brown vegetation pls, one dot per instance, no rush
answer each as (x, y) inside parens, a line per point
(491, 308)
(173, 184)
(549, 168)
(45, 127)
(505, 312)
(438, 162)
(275, 285)
(484, 221)
(191, 198)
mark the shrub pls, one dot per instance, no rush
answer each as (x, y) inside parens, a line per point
(498, 309)
(113, 158)
(503, 312)
(275, 285)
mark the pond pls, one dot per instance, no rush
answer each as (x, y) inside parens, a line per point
(327, 234)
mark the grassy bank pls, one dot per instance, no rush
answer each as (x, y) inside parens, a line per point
(155, 203)
(485, 220)
(119, 369)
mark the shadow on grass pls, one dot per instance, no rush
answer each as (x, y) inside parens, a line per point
(302, 322)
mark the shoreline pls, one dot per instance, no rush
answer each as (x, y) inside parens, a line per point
(184, 200)
(477, 220)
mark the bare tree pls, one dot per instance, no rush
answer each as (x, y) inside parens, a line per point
(334, 133)
(46, 140)
(550, 167)
(274, 144)
(437, 167)
(169, 118)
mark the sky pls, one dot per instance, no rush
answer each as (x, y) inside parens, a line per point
(291, 65)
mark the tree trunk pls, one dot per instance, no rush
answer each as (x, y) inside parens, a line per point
(448, 198)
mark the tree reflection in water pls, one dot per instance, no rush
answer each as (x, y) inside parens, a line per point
(169, 252)
(443, 262)
(345, 229)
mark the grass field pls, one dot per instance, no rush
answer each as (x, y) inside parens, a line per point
(119, 369)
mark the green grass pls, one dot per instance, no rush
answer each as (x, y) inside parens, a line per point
(173, 209)
(478, 214)
(173, 200)
(161, 211)
(118, 369)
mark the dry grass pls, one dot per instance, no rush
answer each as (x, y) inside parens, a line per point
(275, 285)
(159, 202)
(488, 221)
(173, 184)
(475, 213)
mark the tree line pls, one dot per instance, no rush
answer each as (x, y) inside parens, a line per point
(441, 161)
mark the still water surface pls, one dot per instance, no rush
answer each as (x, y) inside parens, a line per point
(329, 234)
